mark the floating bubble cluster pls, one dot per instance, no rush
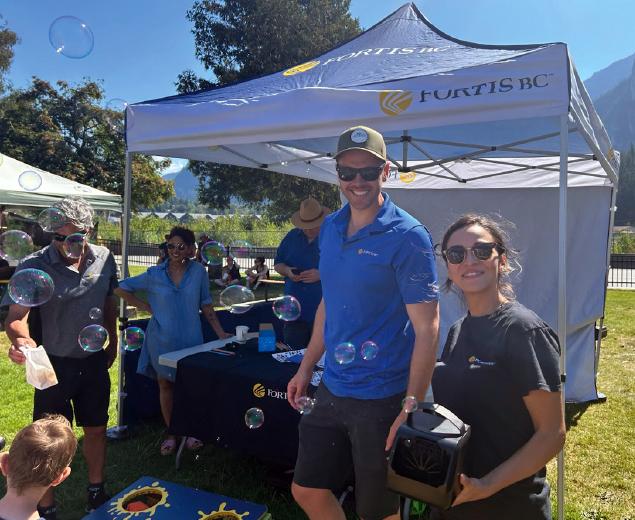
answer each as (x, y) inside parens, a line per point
(31, 287)
(254, 418)
(51, 219)
(15, 245)
(71, 37)
(134, 337)
(74, 245)
(30, 180)
(305, 404)
(240, 248)
(95, 313)
(93, 338)
(238, 298)
(213, 252)
(287, 308)
(344, 353)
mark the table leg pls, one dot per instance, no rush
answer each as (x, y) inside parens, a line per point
(180, 452)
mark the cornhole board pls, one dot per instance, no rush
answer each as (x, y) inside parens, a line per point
(151, 497)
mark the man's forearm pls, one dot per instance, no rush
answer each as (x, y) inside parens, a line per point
(282, 269)
(421, 367)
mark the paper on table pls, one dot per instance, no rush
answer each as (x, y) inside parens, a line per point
(39, 371)
(294, 356)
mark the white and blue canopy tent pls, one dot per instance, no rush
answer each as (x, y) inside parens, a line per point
(503, 129)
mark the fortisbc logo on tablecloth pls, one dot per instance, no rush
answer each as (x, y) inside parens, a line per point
(260, 391)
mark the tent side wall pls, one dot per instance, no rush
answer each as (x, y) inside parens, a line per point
(534, 214)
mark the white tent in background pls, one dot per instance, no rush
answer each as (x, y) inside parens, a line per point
(52, 189)
(506, 129)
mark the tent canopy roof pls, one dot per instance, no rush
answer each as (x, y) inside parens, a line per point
(436, 99)
(53, 188)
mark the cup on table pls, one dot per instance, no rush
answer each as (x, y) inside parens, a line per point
(241, 332)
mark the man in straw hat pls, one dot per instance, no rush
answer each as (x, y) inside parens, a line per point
(297, 260)
(378, 324)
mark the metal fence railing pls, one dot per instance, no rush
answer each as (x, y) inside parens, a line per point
(622, 271)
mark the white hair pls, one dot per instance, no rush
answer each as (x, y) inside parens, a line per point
(77, 211)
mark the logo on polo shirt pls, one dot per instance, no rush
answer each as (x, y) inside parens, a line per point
(361, 251)
(394, 102)
(259, 390)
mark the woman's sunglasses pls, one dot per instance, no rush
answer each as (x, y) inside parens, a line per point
(369, 173)
(481, 251)
(180, 247)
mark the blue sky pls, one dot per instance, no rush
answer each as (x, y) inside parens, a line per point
(142, 45)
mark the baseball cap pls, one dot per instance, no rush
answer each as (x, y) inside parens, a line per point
(362, 138)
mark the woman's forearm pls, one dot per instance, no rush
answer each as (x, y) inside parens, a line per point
(212, 319)
(130, 298)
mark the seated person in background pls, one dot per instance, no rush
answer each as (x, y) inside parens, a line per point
(230, 274)
(499, 372)
(39, 458)
(297, 260)
(258, 272)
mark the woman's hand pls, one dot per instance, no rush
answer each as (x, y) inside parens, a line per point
(472, 489)
(224, 335)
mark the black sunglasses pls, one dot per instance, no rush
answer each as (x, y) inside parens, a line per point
(481, 251)
(369, 173)
(60, 238)
(180, 247)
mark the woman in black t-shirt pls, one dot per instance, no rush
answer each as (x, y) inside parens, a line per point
(499, 372)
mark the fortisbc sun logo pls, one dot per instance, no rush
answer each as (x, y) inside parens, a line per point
(394, 102)
(259, 390)
(303, 67)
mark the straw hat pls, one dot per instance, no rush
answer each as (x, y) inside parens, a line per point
(310, 215)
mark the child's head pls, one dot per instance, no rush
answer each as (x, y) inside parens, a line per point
(40, 454)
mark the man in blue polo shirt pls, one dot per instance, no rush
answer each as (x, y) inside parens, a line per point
(379, 284)
(297, 260)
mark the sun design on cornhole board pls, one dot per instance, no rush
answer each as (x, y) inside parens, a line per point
(222, 514)
(145, 500)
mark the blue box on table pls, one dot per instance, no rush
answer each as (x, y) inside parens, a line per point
(151, 497)
(266, 338)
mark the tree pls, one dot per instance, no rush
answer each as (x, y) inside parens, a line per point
(240, 39)
(7, 40)
(64, 130)
(625, 214)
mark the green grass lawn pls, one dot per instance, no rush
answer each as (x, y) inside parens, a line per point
(600, 452)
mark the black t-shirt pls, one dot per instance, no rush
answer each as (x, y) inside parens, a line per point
(489, 363)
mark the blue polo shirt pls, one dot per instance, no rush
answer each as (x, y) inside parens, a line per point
(296, 251)
(367, 280)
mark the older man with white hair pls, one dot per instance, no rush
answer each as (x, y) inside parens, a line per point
(84, 279)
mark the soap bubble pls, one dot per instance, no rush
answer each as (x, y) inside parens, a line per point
(344, 353)
(93, 338)
(237, 298)
(254, 418)
(95, 313)
(240, 248)
(369, 350)
(134, 337)
(286, 308)
(71, 37)
(121, 115)
(15, 245)
(409, 404)
(74, 245)
(31, 287)
(305, 404)
(30, 180)
(51, 219)
(213, 252)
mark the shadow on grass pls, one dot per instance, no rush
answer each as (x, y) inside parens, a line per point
(573, 412)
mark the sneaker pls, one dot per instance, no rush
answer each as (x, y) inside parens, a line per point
(96, 497)
(47, 513)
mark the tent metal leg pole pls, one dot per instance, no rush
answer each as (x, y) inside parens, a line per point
(120, 431)
(562, 288)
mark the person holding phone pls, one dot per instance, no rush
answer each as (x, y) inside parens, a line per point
(297, 260)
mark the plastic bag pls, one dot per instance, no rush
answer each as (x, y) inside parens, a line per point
(39, 371)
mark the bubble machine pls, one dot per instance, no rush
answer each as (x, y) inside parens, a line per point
(150, 497)
(426, 458)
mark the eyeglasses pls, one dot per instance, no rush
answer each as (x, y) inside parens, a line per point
(60, 238)
(180, 247)
(369, 173)
(481, 251)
